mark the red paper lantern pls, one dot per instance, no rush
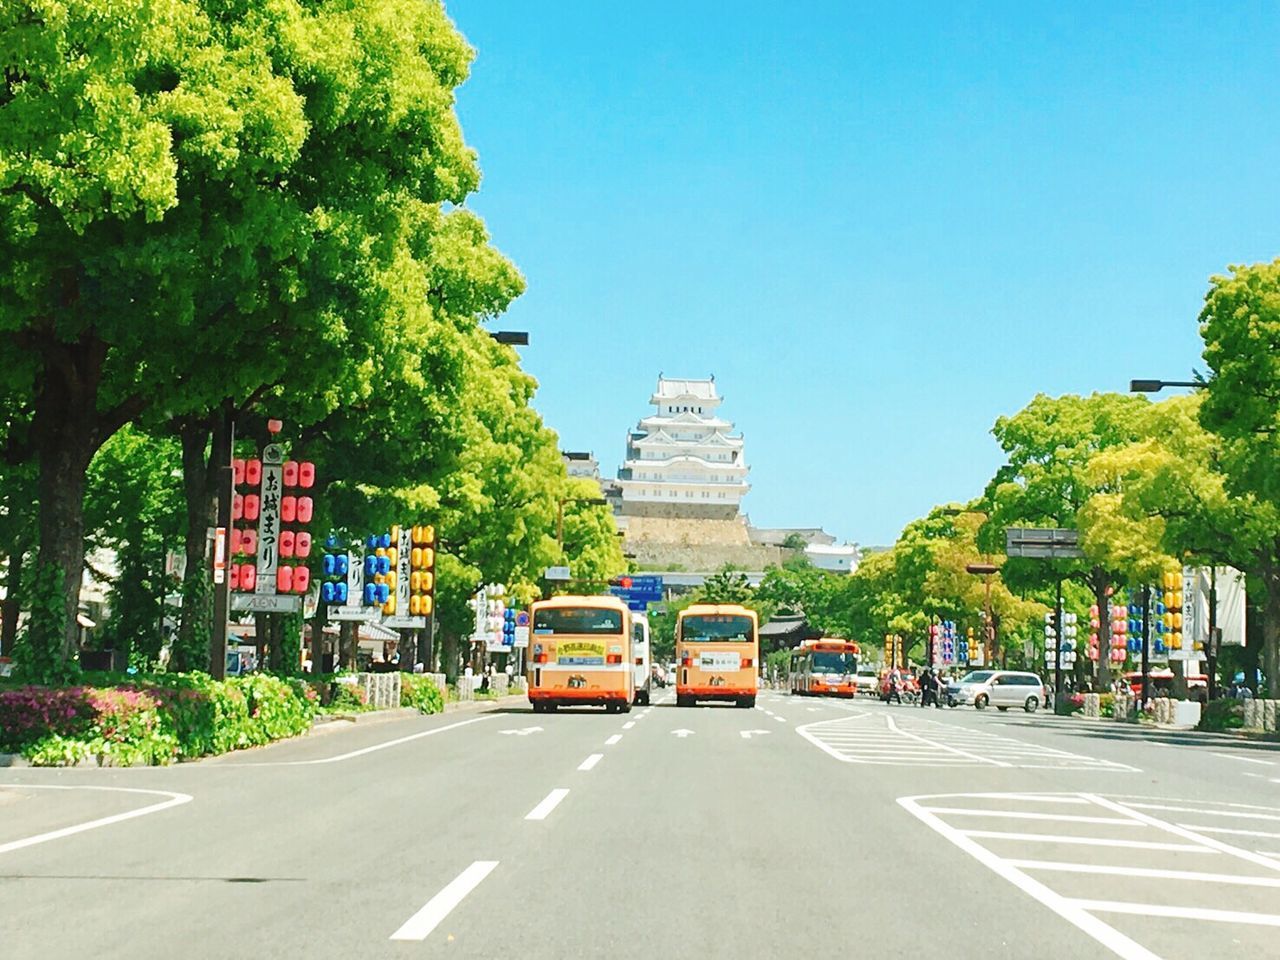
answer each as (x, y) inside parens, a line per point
(290, 473)
(253, 472)
(233, 575)
(248, 576)
(288, 509)
(301, 579)
(302, 545)
(284, 579)
(237, 471)
(237, 506)
(305, 508)
(252, 504)
(306, 474)
(249, 542)
(286, 543)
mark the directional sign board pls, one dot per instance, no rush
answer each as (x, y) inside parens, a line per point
(1043, 543)
(641, 591)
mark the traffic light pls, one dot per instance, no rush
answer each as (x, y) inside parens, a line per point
(422, 575)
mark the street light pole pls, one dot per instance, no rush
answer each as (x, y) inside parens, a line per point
(1057, 652)
(1146, 645)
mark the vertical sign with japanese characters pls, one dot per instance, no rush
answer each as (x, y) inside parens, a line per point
(404, 571)
(355, 578)
(269, 519)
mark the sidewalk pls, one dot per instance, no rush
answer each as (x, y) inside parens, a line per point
(1160, 730)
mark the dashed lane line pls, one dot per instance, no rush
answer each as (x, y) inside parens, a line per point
(549, 803)
(441, 905)
(591, 761)
(613, 739)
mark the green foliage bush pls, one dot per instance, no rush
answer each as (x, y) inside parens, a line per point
(1222, 714)
(421, 693)
(123, 720)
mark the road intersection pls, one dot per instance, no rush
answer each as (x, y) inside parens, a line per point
(802, 823)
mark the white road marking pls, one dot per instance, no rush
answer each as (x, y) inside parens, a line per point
(1070, 911)
(438, 907)
(889, 722)
(925, 742)
(373, 749)
(174, 800)
(780, 719)
(1147, 872)
(1024, 815)
(682, 733)
(1087, 841)
(549, 803)
(1239, 814)
(521, 731)
(591, 761)
(1232, 756)
(748, 734)
(628, 725)
(612, 740)
(1230, 830)
(1180, 912)
(1186, 834)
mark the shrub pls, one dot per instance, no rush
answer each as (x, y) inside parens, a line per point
(1222, 714)
(421, 693)
(123, 720)
(347, 697)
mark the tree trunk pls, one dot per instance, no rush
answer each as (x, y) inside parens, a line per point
(1099, 583)
(1271, 627)
(65, 451)
(348, 639)
(12, 599)
(198, 487)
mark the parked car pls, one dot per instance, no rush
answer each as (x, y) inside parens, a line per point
(867, 681)
(1001, 689)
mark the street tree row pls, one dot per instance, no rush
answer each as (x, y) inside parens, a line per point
(215, 214)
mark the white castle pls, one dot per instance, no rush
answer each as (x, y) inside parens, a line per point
(682, 460)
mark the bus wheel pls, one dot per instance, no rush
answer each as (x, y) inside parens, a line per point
(643, 699)
(683, 701)
(747, 702)
(538, 706)
(550, 707)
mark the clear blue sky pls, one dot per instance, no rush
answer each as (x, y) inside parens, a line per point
(880, 226)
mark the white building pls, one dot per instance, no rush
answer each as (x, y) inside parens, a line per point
(682, 459)
(837, 558)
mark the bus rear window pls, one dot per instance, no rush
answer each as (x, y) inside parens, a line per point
(727, 627)
(576, 620)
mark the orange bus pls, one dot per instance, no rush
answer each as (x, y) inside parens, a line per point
(826, 667)
(580, 653)
(717, 654)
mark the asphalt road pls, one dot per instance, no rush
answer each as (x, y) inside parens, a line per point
(800, 828)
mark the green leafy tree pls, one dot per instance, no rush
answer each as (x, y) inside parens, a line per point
(1240, 324)
(1045, 483)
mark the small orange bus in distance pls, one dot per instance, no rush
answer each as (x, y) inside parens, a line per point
(717, 654)
(826, 667)
(580, 654)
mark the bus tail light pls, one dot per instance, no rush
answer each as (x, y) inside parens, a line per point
(747, 662)
(613, 658)
(639, 661)
(539, 658)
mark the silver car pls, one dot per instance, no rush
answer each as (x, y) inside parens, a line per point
(1001, 689)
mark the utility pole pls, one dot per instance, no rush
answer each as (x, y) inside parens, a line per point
(1146, 645)
(1210, 647)
(1057, 652)
(221, 581)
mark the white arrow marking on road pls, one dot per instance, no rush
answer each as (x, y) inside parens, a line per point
(747, 734)
(522, 731)
(682, 733)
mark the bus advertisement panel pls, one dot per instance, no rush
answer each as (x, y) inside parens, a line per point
(717, 654)
(580, 653)
(826, 667)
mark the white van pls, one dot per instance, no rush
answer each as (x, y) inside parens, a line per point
(640, 657)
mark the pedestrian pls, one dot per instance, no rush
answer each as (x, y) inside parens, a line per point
(926, 686)
(895, 688)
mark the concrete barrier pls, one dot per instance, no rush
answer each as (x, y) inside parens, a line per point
(1092, 706)
(381, 690)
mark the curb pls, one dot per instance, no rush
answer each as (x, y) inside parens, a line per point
(455, 705)
(13, 760)
(1246, 736)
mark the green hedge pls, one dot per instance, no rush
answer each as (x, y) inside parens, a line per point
(127, 720)
(421, 693)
